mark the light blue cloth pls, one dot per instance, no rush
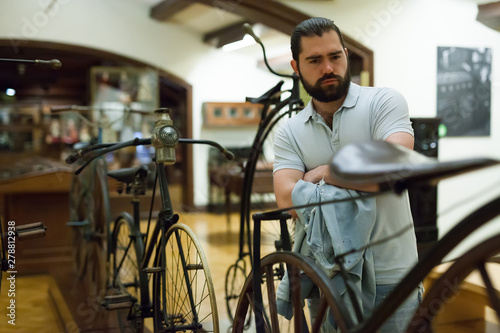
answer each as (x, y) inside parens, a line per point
(326, 230)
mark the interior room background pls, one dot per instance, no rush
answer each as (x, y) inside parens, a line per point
(404, 35)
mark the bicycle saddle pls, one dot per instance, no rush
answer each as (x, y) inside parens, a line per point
(268, 95)
(128, 175)
(385, 163)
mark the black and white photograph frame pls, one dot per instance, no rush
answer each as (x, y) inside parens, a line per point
(464, 90)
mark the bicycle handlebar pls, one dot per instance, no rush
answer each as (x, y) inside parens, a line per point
(249, 30)
(295, 92)
(105, 148)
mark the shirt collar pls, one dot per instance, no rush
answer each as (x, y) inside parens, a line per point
(350, 101)
(352, 96)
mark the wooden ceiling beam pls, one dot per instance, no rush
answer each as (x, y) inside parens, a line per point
(273, 14)
(489, 15)
(270, 13)
(226, 35)
(168, 8)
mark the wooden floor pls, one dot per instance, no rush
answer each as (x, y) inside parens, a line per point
(35, 311)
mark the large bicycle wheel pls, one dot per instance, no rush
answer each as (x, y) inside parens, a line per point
(127, 252)
(270, 236)
(447, 289)
(183, 293)
(90, 219)
(78, 203)
(237, 273)
(298, 267)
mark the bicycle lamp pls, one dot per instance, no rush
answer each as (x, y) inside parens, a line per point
(164, 137)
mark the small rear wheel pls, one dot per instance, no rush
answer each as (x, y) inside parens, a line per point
(235, 280)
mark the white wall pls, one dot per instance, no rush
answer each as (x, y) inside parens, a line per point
(404, 35)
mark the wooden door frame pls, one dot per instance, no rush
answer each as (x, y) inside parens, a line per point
(187, 182)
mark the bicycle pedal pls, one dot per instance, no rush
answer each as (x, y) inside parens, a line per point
(117, 306)
(32, 230)
(150, 270)
(97, 236)
(114, 302)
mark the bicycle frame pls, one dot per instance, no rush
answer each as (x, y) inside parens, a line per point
(262, 133)
(294, 103)
(166, 219)
(164, 139)
(432, 258)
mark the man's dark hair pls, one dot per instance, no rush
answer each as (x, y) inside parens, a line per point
(315, 26)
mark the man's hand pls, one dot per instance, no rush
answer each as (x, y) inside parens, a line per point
(323, 172)
(318, 173)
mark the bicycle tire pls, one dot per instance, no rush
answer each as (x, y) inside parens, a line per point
(77, 213)
(276, 323)
(171, 301)
(127, 251)
(235, 280)
(89, 208)
(445, 289)
(96, 277)
(102, 225)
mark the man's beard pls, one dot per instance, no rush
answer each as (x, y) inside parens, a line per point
(329, 93)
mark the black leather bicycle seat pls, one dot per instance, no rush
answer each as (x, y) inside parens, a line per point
(127, 175)
(267, 95)
(381, 162)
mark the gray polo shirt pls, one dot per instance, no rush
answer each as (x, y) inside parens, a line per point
(305, 141)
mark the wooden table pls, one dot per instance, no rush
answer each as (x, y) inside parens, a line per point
(231, 181)
(37, 189)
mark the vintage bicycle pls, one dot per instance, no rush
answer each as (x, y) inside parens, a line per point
(275, 107)
(163, 275)
(395, 169)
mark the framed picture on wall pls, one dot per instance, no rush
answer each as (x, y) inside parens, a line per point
(464, 90)
(218, 114)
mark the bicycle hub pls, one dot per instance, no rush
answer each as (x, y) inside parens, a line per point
(164, 137)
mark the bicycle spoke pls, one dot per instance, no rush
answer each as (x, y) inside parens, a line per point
(492, 292)
(298, 267)
(189, 301)
(271, 295)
